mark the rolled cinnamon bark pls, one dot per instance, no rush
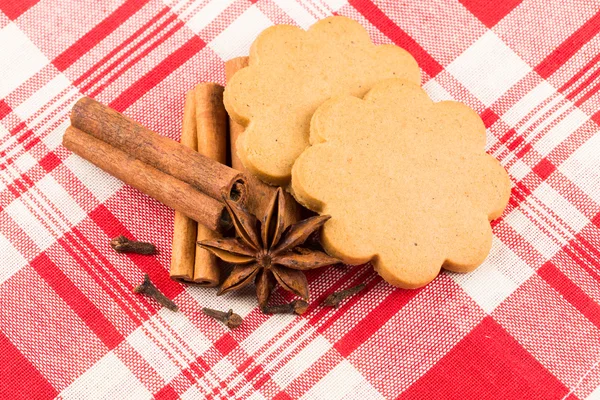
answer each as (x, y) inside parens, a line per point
(211, 121)
(183, 252)
(168, 190)
(160, 152)
(260, 193)
(211, 131)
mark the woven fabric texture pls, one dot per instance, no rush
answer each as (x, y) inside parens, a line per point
(525, 325)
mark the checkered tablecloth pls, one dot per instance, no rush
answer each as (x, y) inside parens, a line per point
(525, 325)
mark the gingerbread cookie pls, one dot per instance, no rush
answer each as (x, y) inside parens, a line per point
(291, 73)
(407, 182)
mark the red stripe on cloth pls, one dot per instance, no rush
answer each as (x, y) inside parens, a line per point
(362, 331)
(578, 75)
(544, 168)
(582, 259)
(14, 8)
(526, 148)
(14, 190)
(516, 197)
(571, 292)
(313, 276)
(489, 117)
(82, 306)
(27, 180)
(260, 382)
(382, 22)
(49, 162)
(282, 396)
(121, 46)
(22, 186)
(589, 93)
(116, 74)
(20, 379)
(33, 142)
(84, 261)
(5, 109)
(26, 135)
(321, 315)
(515, 143)
(584, 248)
(250, 369)
(569, 47)
(509, 134)
(112, 227)
(103, 272)
(158, 73)
(18, 128)
(226, 344)
(490, 13)
(166, 393)
(596, 219)
(98, 33)
(590, 247)
(488, 363)
(596, 117)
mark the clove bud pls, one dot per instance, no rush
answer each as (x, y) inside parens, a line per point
(295, 307)
(123, 245)
(334, 300)
(147, 288)
(229, 318)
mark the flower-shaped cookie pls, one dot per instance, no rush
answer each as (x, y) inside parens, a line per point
(407, 183)
(291, 73)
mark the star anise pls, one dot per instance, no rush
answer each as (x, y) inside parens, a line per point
(267, 253)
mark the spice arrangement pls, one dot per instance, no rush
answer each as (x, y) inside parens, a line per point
(351, 136)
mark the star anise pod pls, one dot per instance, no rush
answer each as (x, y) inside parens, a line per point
(267, 253)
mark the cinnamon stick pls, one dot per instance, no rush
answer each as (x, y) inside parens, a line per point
(160, 152)
(260, 192)
(168, 190)
(211, 132)
(183, 252)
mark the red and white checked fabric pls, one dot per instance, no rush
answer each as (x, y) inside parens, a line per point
(525, 325)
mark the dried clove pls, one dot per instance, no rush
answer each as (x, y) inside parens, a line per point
(295, 307)
(229, 318)
(123, 245)
(334, 300)
(147, 288)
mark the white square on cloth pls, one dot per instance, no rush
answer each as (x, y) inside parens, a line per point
(583, 167)
(298, 13)
(528, 103)
(496, 279)
(571, 120)
(236, 39)
(29, 222)
(488, 68)
(20, 59)
(108, 379)
(48, 97)
(12, 259)
(301, 361)
(207, 14)
(343, 380)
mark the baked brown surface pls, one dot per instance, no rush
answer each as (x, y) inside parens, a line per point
(291, 73)
(406, 181)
